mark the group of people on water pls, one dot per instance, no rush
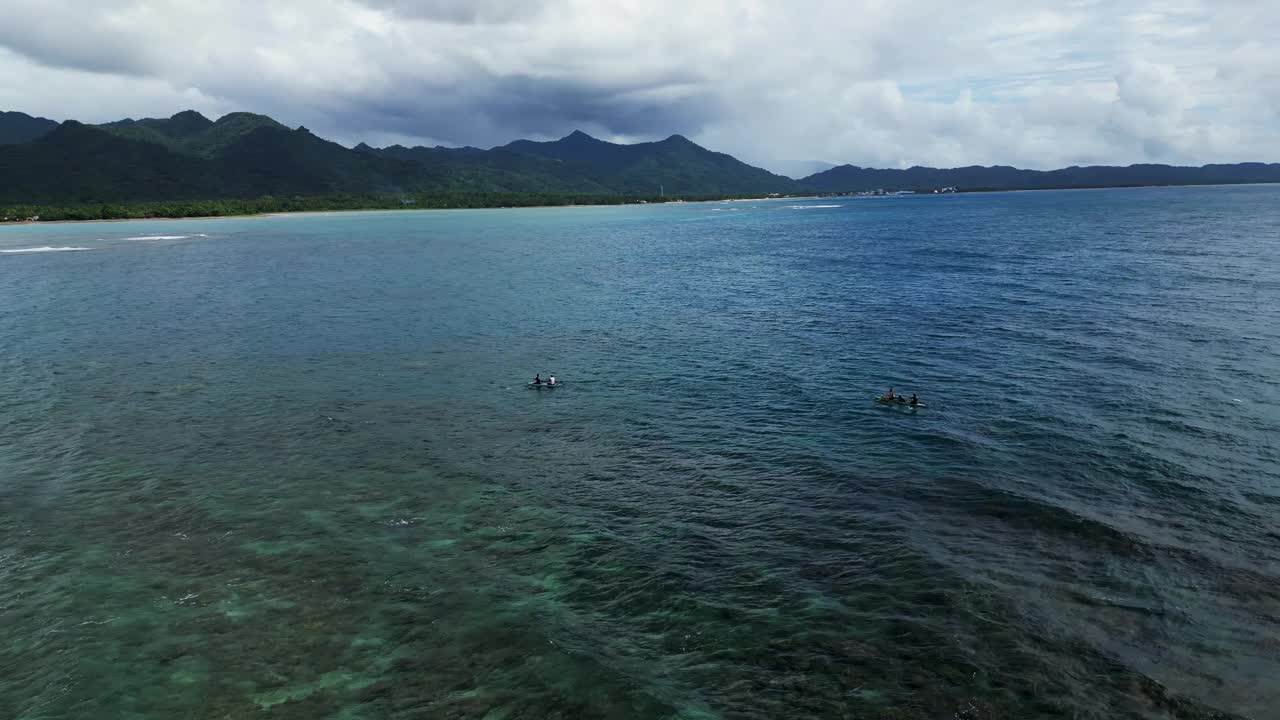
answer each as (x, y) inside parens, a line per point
(913, 402)
(888, 397)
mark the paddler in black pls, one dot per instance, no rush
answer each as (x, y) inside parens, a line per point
(914, 401)
(537, 379)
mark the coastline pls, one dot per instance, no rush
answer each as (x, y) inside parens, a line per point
(628, 203)
(300, 213)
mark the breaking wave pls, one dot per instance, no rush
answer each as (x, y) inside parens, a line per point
(44, 249)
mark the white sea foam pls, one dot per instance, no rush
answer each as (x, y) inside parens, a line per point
(161, 237)
(812, 207)
(44, 249)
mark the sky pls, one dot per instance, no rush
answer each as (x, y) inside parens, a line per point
(876, 83)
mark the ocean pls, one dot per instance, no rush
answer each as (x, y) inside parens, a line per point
(289, 467)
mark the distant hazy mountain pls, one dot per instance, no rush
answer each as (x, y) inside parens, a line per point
(803, 168)
(17, 128)
(243, 155)
(850, 178)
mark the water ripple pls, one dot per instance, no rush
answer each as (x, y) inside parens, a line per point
(297, 472)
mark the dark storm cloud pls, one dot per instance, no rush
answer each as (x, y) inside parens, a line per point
(496, 110)
(527, 105)
(1027, 82)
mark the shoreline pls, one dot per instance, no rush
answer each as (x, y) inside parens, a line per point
(295, 213)
(287, 213)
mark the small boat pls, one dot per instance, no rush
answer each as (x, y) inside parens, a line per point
(900, 401)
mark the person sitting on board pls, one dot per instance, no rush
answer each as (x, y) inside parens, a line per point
(537, 379)
(914, 401)
(890, 395)
(551, 380)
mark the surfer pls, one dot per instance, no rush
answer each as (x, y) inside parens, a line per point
(914, 400)
(890, 395)
(551, 380)
(537, 379)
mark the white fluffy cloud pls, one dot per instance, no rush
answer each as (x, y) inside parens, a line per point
(1020, 82)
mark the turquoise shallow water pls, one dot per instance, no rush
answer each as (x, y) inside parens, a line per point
(288, 467)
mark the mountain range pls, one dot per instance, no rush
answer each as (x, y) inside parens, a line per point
(16, 127)
(244, 155)
(846, 178)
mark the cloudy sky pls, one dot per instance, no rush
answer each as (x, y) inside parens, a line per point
(886, 83)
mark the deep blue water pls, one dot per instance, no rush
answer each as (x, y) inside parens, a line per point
(289, 468)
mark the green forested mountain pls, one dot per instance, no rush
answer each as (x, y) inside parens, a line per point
(496, 170)
(16, 127)
(172, 132)
(676, 164)
(243, 155)
(191, 133)
(581, 163)
(78, 163)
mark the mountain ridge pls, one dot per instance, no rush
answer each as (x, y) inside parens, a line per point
(674, 164)
(246, 155)
(852, 178)
(17, 128)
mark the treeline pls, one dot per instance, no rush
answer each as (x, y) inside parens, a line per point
(264, 205)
